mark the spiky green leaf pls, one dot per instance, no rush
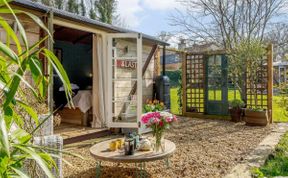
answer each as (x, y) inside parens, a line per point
(33, 154)
(30, 111)
(4, 140)
(9, 52)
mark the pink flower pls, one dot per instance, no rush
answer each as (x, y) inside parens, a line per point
(169, 119)
(174, 118)
(158, 118)
(161, 123)
(145, 120)
(146, 117)
(157, 114)
(154, 120)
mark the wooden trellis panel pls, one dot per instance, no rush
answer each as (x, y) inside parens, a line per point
(193, 76)
(261, 89)
(264, 87)
(193, 83)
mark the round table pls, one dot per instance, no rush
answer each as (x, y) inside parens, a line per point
(101, 152)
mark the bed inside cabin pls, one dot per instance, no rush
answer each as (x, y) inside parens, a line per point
(74, 50)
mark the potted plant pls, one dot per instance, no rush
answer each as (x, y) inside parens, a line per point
(153, 105)
(235, 109)
(256, 117)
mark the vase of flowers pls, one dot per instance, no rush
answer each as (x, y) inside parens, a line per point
(158, 122)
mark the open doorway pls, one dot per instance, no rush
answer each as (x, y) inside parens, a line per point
(74, 49)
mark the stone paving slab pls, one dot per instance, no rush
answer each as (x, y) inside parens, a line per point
(260, 154)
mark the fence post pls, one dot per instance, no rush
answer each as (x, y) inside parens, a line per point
(49, 67)
(270, 81)
(184, 84)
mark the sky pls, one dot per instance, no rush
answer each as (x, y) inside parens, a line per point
(148, 16)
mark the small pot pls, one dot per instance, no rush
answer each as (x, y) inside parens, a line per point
(235, 114)
(192, 109)
(256, 118)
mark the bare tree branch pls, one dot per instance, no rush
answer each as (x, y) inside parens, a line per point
(227, 21)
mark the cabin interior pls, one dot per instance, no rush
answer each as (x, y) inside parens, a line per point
(74, 50)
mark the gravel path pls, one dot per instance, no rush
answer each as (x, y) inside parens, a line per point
(205, 148)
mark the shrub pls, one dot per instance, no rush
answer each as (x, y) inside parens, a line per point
(174, 77)
(236, 103)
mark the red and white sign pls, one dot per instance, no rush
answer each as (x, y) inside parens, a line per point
(126, 64)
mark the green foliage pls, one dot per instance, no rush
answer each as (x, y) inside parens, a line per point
(176, 81)
(256, 109)
(279, 112)
(256, 173)
(174, 77)
(92, 14)
(103, 10)
(106, 9)
(174, 106)
(282, 102)
(73, 6)
(237, 103)
(47, 2)
(59, 4)
(179, 92)
(153, 105)
(244, 60)
(277, 163)
(82, 8)
(16, 144)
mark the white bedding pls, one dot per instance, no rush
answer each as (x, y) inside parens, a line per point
(83, 100)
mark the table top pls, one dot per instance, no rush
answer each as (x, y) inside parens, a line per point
(101, 151)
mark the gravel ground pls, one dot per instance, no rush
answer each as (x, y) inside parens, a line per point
(205, 148)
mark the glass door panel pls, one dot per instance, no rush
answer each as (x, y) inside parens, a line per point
(216, 85)
(214, 78)
(125, 67)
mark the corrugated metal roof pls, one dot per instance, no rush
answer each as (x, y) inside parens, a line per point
(71, 16)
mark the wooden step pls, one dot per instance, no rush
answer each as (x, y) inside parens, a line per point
(86, 136)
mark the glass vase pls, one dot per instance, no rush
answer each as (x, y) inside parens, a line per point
(159, 143)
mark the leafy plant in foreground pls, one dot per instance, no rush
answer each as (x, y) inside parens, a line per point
(16, 143)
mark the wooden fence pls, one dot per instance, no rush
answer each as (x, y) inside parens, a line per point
(194, 82)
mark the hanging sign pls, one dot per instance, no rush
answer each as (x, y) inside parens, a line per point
(126, 64)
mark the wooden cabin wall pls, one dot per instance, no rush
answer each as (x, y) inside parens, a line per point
(31, 28)
(32, 32)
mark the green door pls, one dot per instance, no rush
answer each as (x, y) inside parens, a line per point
(216, 90)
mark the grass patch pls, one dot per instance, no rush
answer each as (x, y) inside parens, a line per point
(175, 109)
(277, 163)
(278, 113)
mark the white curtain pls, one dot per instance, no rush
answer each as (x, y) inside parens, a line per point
(99, 80)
